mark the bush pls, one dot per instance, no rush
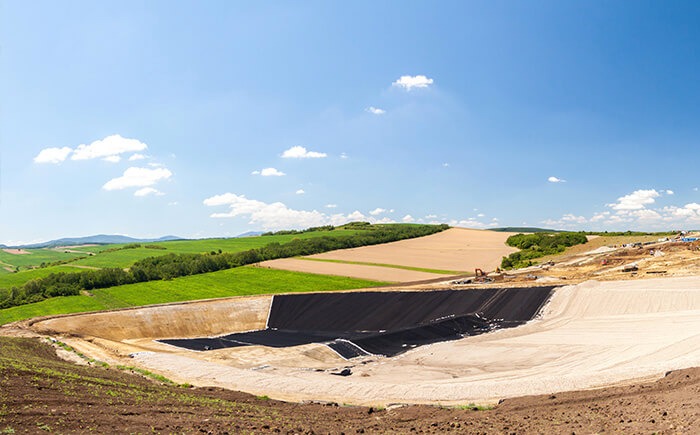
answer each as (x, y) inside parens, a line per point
(538, 245)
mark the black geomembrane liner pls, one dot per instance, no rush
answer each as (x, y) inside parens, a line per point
(383, 323)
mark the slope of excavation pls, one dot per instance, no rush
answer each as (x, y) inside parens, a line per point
(383, 323)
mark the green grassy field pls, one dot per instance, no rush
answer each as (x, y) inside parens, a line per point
(34, 258)
(10, 280)
(124, 258)
(233, 282)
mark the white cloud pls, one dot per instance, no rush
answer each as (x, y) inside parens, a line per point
(112, 159)
(300, 192)
(600, 216)
(695, 189)
(555, 180)
(343, 156)
(137, 156)
(471, 223)
(636, 200)
(275, 215)
(138, 177)
(377, 211)
(269, 172)
(408, 219)
(148, 191)
(299, 152)
(690, 212)
(52, 155)
(410, 82)
(669, 192)
(375, 110)
(574, 219)
(107, 147)
(445, 165)
(331, 205)
(357, 216)
(431, 216)
(480, 215)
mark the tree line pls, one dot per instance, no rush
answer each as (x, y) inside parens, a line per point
(171, 266)
(538, 245)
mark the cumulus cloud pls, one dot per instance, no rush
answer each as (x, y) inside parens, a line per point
(669, 192)
(377, 211)
(445, 165)
(331, 205)
(636, 200)
(52, 155)
(375, 110)
(357, 216)
(273, 216)
(555, 180)
(107, 147)
(690, 212)
(408, 219)
(300, 192)
(269, 172)
(299, 152)
(137, 156)
(148, 191)
(138, 177)
(410, 82)
(343, 156)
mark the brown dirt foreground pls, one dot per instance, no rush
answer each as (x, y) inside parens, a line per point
(43, 393)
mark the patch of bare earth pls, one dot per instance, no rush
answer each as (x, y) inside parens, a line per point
(16, 251)
(41, 393)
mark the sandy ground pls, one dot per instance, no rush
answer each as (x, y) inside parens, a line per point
(456, 249)
(377, 273)
(590, 335)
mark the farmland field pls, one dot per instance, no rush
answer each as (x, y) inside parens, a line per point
(233, 282)
(34, 258)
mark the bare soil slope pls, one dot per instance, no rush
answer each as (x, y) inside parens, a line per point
(41, 393)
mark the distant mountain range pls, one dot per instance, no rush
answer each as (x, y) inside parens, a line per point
(100, 239)
(251, 234)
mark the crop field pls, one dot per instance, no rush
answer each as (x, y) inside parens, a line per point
(34, 258)
(233, 282)
(9, 280)
(123, 258)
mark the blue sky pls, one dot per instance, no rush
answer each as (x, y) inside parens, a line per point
(205, 119)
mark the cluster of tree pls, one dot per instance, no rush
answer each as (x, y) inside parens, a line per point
(631, 233)
(171, 266)
(308, 230)
(538, 245)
